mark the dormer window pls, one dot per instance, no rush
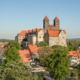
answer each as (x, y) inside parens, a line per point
(27, 55)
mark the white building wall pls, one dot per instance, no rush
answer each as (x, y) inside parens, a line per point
(40, 36)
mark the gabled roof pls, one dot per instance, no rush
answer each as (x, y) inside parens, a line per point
(51, 25)
(3, 44)
(30, 31)
(46, 18)
(40, 29)
(34, 30)
(73, 53)
(25, 60)
(53, 33)
(23, 53)
(64, 31)
(33, 48)
(78, 52)
(56, 18)
(23, 33)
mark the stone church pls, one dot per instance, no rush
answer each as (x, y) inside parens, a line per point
(50, 34)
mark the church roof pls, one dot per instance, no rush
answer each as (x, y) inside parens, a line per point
(46, 18)
(40, 29)
(23, 33)
(55, 33)
(51, 25)
(56, 18)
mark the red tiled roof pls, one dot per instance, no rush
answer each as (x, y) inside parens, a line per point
(46, 18)
(73, 53)
(51, 25)
(3, 44)
(30, 31)
(33, 48)
(56, 18)
(54, 33)
(23, 53)
(25, 60)
(64, 31)
(34, 30)
(40, 29)
(23, 33)
(78, 52)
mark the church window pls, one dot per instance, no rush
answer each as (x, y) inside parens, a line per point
(39, 36)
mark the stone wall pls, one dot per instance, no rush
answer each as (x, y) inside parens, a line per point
(20, 39)
(60, 40)
(53, 41)
(40, 36)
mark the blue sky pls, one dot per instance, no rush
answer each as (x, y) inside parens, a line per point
(18, 15)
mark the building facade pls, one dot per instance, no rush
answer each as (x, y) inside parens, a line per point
(50, 33)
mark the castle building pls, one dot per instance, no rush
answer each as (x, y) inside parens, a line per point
(50, 33)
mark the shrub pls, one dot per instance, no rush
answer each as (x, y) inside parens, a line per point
(42, 43)
(43, 74)
(74, 74)
(36, 59)
(25, 39)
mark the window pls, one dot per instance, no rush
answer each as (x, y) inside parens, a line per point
(39, 36)
(74, 53)
(43, 36)
(26, 55)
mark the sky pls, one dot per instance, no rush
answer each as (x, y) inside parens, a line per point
(18, 15)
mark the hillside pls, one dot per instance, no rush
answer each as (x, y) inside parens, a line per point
(5, 40)
(73, 39)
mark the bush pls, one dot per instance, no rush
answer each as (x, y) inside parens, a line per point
(59, 47)
(43, 74)
(43, 43)
(25, 39)
(36, 59)
(74, 74)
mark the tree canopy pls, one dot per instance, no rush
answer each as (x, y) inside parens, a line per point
(13, 44)
(74, 42)
(11, 55)
(58, 64)
(25, 39)
(14, 71)
(44, 52)
(71, 48)
(42, 43)
(59, 47)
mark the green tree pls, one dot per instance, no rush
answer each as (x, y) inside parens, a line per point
(25, 39)
(43, 74)
(59, 47)
(14, 71)
(13, 44)
(42, 43)
(78, 68)
(35, 77)
(44, 52)
(58, 64)
(72, 48)
(74, 42)
(11, 55)
(17, 45)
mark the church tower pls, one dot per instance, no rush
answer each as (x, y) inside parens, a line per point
(56, 23)
(46, 23)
